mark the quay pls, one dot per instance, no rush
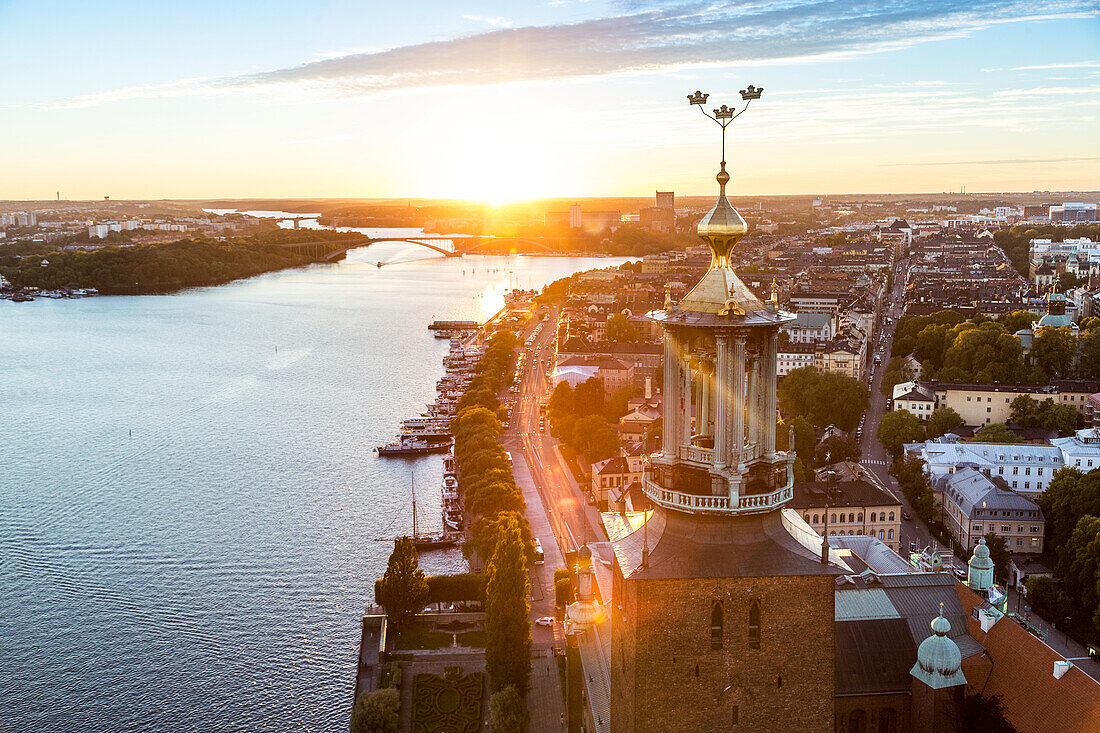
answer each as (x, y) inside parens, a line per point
(454, 326)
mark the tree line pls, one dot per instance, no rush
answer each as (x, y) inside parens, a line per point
(161, 267)
(585, 420)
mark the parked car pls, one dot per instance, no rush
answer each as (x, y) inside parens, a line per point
(545, 621)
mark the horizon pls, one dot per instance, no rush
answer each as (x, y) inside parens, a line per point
(502, 103)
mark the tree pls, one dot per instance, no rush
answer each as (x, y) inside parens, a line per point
(942, 420)
(563, 587)
(1042, 595)
(824, 399)
(986, 714)
(594, 437)
(898, 428)
(984, 354)
(507, 628)
(836, 449)
(403, 589)
(998, 553)
(619, 330)
(507, 713)
(1089, 361)
(995, 432)
(1053, 350)
(1079, 567)
(913, 481)
(1017, 320)
(896, 372)
(376, 712)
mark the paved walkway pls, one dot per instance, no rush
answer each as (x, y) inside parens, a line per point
(544, 701)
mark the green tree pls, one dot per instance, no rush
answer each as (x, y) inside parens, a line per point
(898, 428)
(995, 433)
(942, 420)
(507, 627)
(1042, 595)
(1053, 350)
(1017, 320)
(823, 398)
(913, 482)
(998, 553)
(595, 438)
(619, 330)
(932, 344)
(507, 712)
(403, 589)
(836, 449)
(896, 372)
(1079, 567)
(1089, 361)
(984, 354)
(376, 712)
(563, 587)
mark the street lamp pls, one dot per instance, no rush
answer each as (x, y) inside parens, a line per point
(724, 115)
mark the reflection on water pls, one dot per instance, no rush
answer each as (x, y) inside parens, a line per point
(189, 501)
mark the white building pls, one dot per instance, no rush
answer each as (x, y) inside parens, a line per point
(918, 400)
(98, 230)
(1024, 467)
(1081, 450)
(793, 356)
(810, 328)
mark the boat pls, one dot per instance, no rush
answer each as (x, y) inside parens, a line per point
(452, 518)
(407, 446)
(429, 540)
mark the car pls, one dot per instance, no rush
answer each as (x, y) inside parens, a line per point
(906, 516)
(545, 621)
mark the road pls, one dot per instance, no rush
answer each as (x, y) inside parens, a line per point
(874, 456)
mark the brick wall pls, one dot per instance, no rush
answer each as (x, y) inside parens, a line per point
(665, 675)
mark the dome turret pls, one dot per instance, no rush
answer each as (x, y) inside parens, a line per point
(980, 574)
(939, 661)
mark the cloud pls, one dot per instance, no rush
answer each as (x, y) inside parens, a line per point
(1009, 161)
(645, 37)
(494, 20)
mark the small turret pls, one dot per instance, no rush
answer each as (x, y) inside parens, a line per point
(979, 576)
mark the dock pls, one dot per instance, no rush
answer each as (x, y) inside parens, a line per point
(454, 326)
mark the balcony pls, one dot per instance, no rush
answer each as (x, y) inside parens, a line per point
(693, 454)
(700, 504)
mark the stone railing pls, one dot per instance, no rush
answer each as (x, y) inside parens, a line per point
(691, 453)
(765, 501)
(698, 504)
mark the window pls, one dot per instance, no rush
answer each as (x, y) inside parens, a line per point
(716, 625)
(1020, 528)
(977, 528)
(1006, 527)
(815, 519)
(806, 518)
(1040, 473)
(859, 517)
(1001, 470)
(832, 518)
(1015, 470)
(1019, 541)
(851, 517)
(891, 516)
(1034, 541)
(1027, 484)
(754, 625)
(1027, 471)
(890, 535)
(872, 516)
(989, 409)
(882, 534)
(1014, 485)
(1034, 529)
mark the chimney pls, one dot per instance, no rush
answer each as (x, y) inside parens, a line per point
(987, 620)
(1060, 668)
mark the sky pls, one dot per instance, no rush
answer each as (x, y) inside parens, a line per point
(502, 100)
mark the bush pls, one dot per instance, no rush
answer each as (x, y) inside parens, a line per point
(376, 712)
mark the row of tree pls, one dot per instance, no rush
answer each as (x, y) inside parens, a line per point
(585, 419)
(952, 348)
(162, 267)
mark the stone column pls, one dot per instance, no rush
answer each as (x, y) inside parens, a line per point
(752, 424)
(722, 401)
(670, 400)
(685, 396)
(703, 426)
(771, 372)
(737, 401)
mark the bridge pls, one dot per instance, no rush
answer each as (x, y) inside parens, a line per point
(448, 246)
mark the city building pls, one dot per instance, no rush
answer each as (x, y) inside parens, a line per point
(1073, 213)
(810, 328)
(1024, 467)
(849, 508)
(1081, 450)
(973, 505)
(590, 221)
(609, 477)
(914, 398)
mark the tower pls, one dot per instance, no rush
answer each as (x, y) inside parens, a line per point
(722, 603)
(938, 681)
(979, 574)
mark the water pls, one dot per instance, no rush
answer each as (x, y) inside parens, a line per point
(188, 496)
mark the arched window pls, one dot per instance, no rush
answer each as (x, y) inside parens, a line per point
(890, 535)
(857, 722)
(872, 516)
(888, 721)
(832, 518)
(815, 519)
(754, 625)
(851, 517)
(880, 534)
(806, 517)
(859, 517)
(891, 516)
(716, 625)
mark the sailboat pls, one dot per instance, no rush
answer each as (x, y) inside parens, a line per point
(429, 540)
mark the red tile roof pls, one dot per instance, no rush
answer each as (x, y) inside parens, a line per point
(1022, 673)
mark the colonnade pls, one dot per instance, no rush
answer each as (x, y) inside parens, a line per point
(732, 390)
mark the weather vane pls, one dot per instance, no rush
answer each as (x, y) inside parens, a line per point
(725, 115)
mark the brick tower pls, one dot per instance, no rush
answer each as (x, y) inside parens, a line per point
(722, 603)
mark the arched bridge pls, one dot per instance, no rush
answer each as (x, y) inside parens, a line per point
(454, 246)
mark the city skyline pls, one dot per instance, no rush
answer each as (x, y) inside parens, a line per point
(496, 102)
